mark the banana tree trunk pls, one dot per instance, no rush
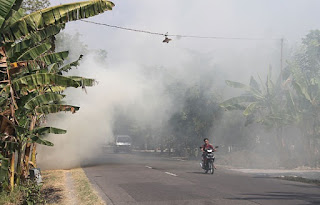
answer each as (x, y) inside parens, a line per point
(19, 164)
(28, 149)
(33, 156)
(12, 171)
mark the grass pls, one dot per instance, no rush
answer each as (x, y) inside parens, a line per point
(300, 179)
(15, 197)
(54, 189)
(85, 193)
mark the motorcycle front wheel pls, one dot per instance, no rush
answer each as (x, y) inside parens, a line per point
(211, 169)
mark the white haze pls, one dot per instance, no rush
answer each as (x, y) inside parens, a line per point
(122, 81)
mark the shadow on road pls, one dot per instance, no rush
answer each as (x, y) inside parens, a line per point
(196, 172)
(279, 196)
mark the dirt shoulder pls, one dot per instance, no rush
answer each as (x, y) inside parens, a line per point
(69, 187)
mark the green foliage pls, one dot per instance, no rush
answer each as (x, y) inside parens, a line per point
(29, 92)
(46, 130)
(54, 108)
(4, 173)
(262, 103)
(198, 115)
(32, 193)
(67, 67)
(13, 197)
(17, 49)
(39, 140)
(43, 99)
(42, 79)
(54, 15)
(35, 52)
(6, 8)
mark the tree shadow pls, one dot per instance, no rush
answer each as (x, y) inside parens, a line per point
(52, 195)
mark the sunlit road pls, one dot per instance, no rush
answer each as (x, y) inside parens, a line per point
(142, 179)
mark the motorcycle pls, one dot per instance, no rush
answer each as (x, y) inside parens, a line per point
(208, 161)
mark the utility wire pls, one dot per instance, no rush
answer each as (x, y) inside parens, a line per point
(180, 36)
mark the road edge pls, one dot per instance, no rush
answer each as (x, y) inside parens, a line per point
(98, 189)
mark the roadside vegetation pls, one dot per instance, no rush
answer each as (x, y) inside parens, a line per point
(55, 190)
(32, 84)
(85, 193)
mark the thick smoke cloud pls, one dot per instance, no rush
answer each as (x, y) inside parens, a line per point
(125, 80)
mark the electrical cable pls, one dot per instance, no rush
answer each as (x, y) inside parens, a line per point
(180, 36)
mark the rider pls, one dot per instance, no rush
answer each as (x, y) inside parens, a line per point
(204, 147)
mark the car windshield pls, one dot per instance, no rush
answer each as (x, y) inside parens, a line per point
(123, 139)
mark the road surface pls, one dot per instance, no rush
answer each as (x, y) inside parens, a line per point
(123, 179)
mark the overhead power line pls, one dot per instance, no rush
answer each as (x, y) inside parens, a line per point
(179, 36)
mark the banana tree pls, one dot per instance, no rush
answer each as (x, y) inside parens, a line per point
(267, 103)
(303, 71)
(27, 50)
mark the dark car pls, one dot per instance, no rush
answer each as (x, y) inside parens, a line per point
(123, 143)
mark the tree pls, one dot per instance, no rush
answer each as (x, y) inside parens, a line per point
(267, 103)
(303, 72)
(198, 116)
(29, 71)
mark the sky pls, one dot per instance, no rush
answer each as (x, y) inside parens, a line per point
(266, 19)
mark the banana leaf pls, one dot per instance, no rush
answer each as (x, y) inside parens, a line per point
(51, 58)
(54, 108)
(252, 90)
(41, 79)
(38, 140)
(54, 15)
(67, 67)
(35, 52)
(83, 81)
(43, 99)
(16, 50)
(254, 84)
(46, 130)
(53, 68)
(4, 168)
(250, 109)
(237, 100)
(300, 83)
(6, 8)
(14, 16)
(55, 89)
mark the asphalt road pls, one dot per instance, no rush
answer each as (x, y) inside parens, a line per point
(144, 179)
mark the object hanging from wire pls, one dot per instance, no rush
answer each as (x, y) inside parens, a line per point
(166, 39)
